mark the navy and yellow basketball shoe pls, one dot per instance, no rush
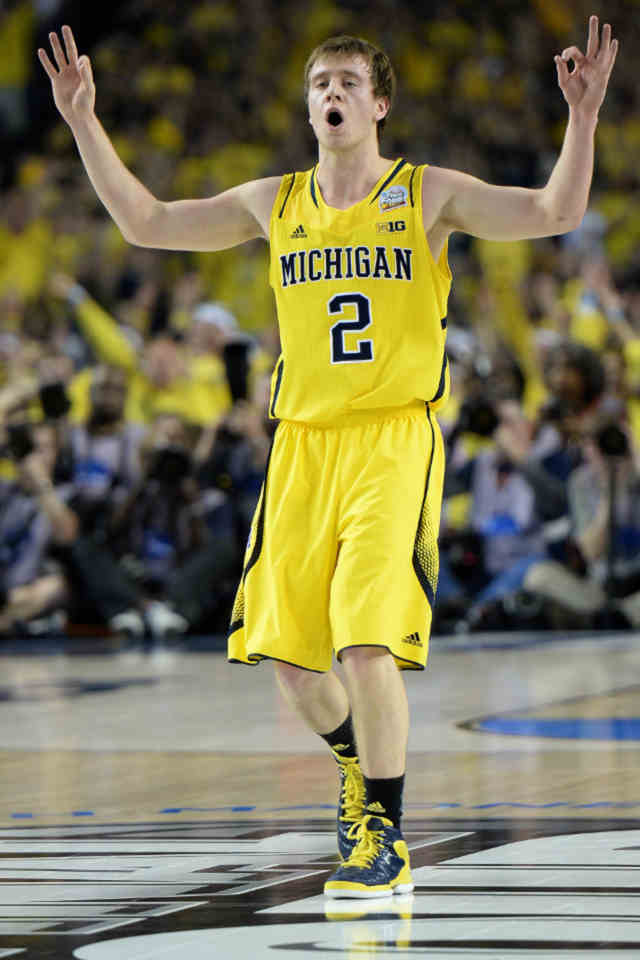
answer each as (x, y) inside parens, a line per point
(350, 803)
(378, 865)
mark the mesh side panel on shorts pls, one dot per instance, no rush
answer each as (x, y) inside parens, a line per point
(425, 554)
(425, 550)
(237, 613)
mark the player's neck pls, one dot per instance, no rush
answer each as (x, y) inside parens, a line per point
(347, 177)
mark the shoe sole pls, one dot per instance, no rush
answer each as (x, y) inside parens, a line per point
(363, 894)
(403, 888)
(357, 894)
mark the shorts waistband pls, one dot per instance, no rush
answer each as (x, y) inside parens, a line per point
(354, 418)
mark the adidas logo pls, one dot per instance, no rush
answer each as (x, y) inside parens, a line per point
(299, 233)
(376, 807)
(413, 639)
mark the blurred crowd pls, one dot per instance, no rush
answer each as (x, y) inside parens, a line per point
(134, 383)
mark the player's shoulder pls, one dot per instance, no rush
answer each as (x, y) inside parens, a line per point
(439, 184)
(445, 178)
(297, 190)
(262, 195)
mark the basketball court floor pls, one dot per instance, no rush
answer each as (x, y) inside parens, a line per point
(169, 807)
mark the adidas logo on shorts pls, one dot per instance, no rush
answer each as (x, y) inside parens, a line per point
(413, 639)
(298, 233)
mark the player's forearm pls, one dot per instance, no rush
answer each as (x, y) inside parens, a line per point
(128, 201)
(566, 194)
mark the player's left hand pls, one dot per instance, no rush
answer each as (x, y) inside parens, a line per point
(585, 86)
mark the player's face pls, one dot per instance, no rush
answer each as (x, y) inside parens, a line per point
(342, 107)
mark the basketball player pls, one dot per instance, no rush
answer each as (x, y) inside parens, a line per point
(342, 556)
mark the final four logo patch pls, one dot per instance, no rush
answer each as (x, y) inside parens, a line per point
(393, 198)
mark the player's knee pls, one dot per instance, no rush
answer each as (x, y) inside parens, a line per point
(356, 659)
(295, 679)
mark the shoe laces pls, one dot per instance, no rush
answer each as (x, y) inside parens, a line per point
(368, 846)
(352, 795)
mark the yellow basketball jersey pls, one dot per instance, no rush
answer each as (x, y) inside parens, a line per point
(361, 301)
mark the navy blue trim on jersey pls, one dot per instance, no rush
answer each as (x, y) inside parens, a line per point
(413, 173)
(442, 382)
(312, 185)
(293, 180)
(276, 391)
(399, 165)
(419, 571)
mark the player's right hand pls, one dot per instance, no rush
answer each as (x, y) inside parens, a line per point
(72, 83)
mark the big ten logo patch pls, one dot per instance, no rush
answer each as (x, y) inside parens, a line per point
(391, 226)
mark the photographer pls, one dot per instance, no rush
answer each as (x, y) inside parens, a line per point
(170, 546)
(486, 562)
(604, 506)
(104, 453)
(34, 517)
(235, 457)
(517, 480)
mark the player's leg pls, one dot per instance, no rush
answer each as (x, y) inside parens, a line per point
(321, 700)
(381, 721)
(379, 862)
(381, 610)
(282, 605)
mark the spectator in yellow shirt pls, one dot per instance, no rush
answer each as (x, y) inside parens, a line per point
(162, 377)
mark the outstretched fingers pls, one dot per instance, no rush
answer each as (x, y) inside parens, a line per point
(58, 52)
(49, 68)
(593, 39)
(70, 45)
(608, 49)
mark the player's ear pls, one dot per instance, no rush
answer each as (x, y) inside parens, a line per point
(382, 107)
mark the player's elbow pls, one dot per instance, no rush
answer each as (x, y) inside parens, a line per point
(560, 218)
(567, 222)
(144, 229)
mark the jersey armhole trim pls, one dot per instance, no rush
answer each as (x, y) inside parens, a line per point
(413, 173)
(399, 165)
(312, 186)
(288, 194)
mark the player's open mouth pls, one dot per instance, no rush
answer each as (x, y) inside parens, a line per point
(334, 118)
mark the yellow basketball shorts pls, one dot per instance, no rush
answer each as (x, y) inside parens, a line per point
(343, 545)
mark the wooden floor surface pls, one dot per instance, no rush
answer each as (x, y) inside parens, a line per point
(129, 736)
(170, 807)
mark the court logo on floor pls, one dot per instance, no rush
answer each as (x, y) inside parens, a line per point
(613, 715)
(252, 891)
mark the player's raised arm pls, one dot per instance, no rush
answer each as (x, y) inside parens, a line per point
(512, 213)
(239, 214)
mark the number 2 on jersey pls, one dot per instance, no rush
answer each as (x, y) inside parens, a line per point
(339, 352)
